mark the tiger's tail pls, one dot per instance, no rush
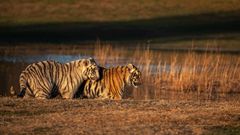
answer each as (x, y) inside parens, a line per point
(22, 93)
(23, 86)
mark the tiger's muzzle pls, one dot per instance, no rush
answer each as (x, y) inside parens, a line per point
(136, 81)
(93, 74)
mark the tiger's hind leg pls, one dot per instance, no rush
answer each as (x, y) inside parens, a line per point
(27, 93)
(40, 94)
(101, 98)
(67, 96)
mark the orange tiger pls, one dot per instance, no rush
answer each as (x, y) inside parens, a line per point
(112, 82)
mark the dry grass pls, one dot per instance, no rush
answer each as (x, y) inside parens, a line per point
(59, 116)
(209, 72)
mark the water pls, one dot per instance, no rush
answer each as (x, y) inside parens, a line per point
(35, 58)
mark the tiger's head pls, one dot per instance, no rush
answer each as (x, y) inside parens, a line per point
(91, 69)
(134, 78)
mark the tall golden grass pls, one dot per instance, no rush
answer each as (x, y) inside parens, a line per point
(212, 73)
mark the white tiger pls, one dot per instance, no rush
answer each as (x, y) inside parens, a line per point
(47, 79)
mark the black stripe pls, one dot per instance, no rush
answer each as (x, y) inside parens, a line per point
(71, 76)
(60, 71)
(86, 88)
(41, 77)
(50, 67)
(95, 89)
(118, 81)
(47, 74)
(110, 82)
(32, 79)
(64, 71)
(67, 77)
(55, 72)
(115, 81)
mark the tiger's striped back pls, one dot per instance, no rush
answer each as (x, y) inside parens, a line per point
(37, 79)
(47, 79)
(112, 82)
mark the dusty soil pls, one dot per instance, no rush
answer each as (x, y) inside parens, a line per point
(57, 116)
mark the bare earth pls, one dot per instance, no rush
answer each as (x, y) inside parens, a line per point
(58, 116)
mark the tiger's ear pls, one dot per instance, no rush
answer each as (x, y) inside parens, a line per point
(86, 62)
(91, 60)
(130, 67)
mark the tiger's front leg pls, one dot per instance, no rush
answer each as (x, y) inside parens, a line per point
(101, 98)
(68, 95)
(104, 95)
(28, 94)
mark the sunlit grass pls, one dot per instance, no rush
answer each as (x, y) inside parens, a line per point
(56, 116)
(209, 72)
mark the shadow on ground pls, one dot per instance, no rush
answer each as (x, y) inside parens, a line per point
(164, 28)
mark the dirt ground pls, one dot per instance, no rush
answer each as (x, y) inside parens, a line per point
(58, 116)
